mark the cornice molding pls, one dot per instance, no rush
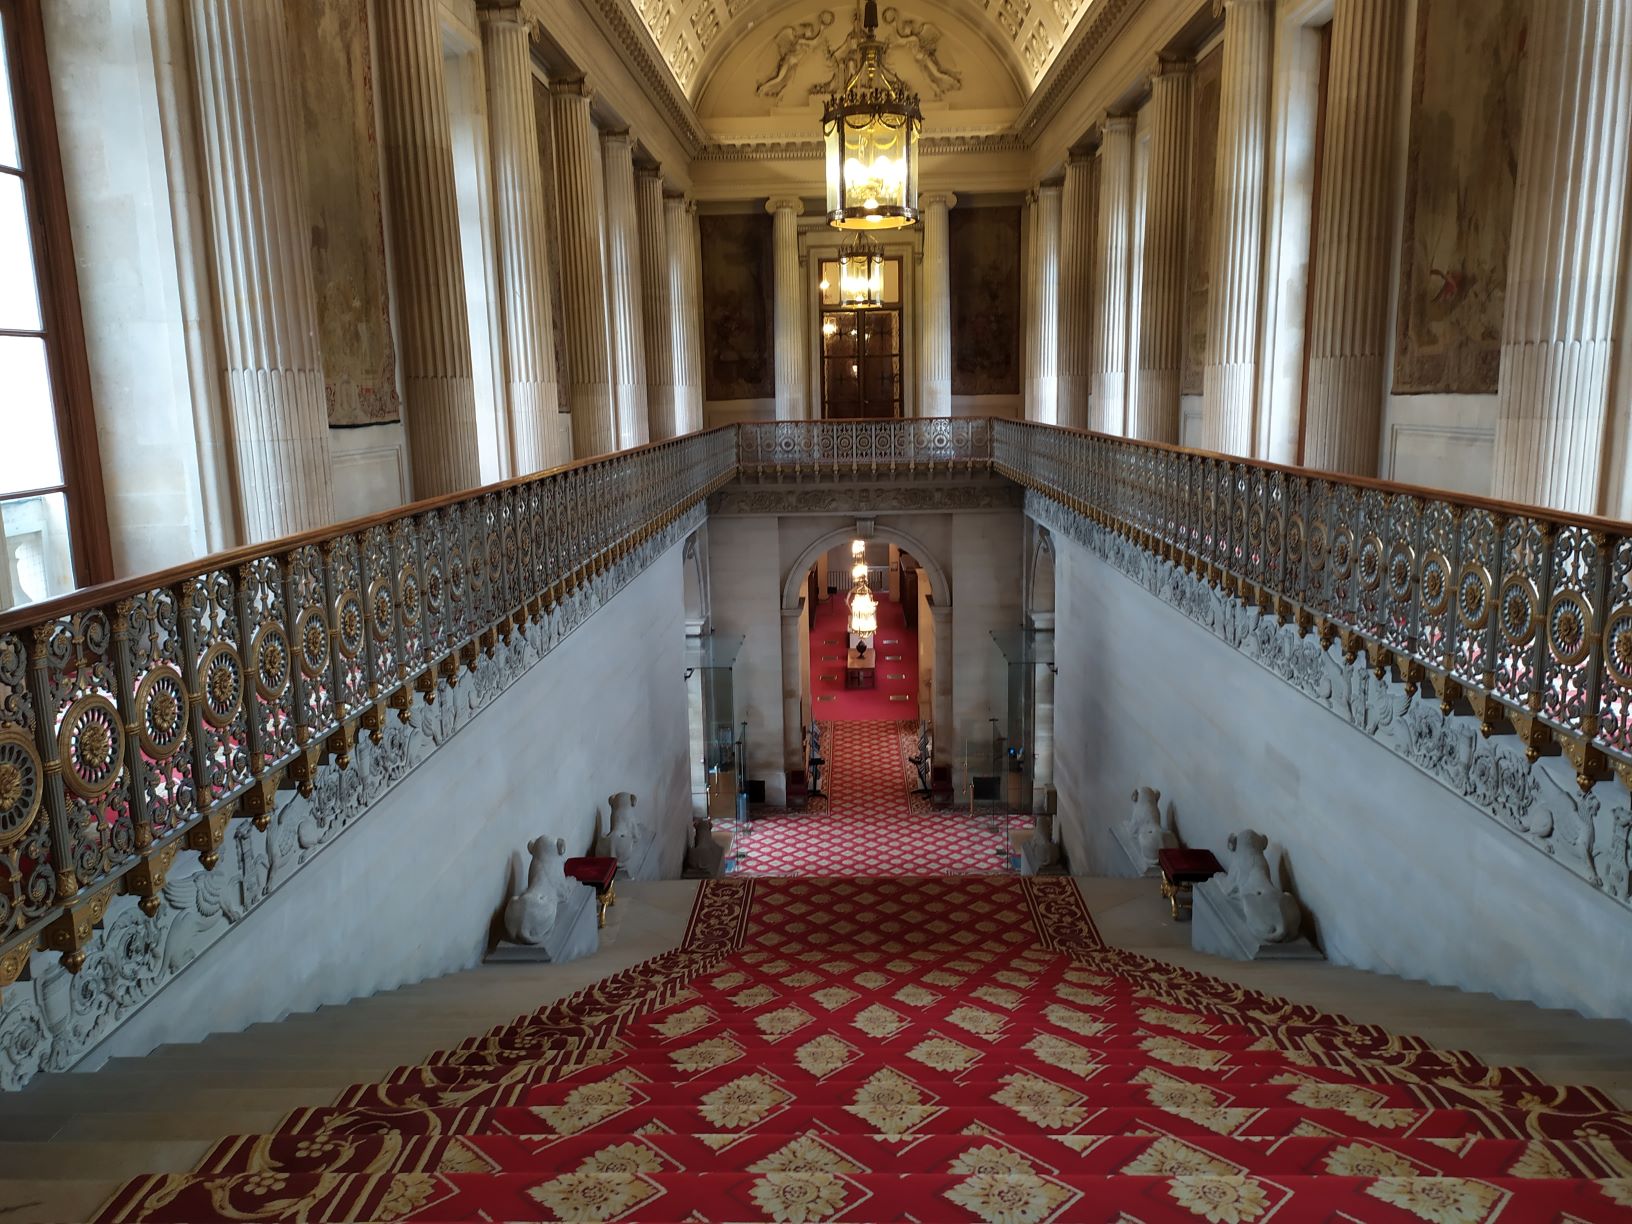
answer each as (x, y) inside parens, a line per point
(644, 59)
(1065, 75)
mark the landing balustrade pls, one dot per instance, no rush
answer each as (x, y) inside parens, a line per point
(137, 718)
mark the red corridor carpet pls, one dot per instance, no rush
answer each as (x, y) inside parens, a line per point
(870, 821)
(895, 695)
(911, 1049)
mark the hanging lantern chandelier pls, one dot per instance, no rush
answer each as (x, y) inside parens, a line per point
(871, 130)
(863, 610)
(861, 274)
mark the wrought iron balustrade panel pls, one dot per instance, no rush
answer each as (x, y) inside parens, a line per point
(1528, 612)
(136, 719)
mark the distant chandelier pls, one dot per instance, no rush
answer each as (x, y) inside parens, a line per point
(871, 130)
(863, 610)
(861, 274)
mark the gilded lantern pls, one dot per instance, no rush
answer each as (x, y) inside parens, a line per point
(871, 130)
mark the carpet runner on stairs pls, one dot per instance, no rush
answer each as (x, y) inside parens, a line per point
(923, 1049)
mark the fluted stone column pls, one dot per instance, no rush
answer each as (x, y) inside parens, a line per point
(655, 298)
(581, 206)
(1563, 274)
(624, 310)
(1078, 207)
(946, 746)
(522, 233)
(935, 316)
(1230, 371)
(1043, 372)
(438, 389)
(686, 311)
(1348, 333)
(1114, 247)
(790, 315)
(260, 244)
(1157, 415)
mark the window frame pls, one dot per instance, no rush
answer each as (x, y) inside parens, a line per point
(56, 273)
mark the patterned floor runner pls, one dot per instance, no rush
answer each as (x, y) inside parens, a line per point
(923, 1049)
(871, 820)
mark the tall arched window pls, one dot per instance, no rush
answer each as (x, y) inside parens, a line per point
(53, 523)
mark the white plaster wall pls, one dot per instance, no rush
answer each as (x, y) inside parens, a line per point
(746, 580)
(987, 555)
(410, 890)
(370, 469)
(1400, 875)
(105, 86)
(1442, 441)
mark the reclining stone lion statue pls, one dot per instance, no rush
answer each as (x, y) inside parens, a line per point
(1272, 915)
(1145, 827)
(530, 913)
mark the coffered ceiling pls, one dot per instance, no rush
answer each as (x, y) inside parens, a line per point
(696, 36)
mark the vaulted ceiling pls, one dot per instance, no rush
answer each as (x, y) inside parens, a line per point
(696, 37)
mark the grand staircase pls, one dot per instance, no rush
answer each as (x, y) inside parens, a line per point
(927, 1049)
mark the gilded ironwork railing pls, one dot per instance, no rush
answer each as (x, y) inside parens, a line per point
(864, 450)
(137, 718)
(1523, 613)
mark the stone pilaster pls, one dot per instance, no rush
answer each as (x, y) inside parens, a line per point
(686, 311)
(1348, 333)
(581, 206)
(1230, 371)
(260, 248)
(790, 315)
(438, 390)
(1042, 725)
(1563, 276)
(624, 310)
(935, 316)
(793, 743)
(655, 304)
(1078, 206)
(1157, 415)
(1043, 372)
(946, 742)
(1114, 248)
(522, 233)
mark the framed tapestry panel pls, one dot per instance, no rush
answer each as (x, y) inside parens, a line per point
(1466, 106)
(984, 244)
(738, 360)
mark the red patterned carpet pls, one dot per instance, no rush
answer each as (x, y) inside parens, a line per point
(923, 1050)
(871, 821)
(895, 695)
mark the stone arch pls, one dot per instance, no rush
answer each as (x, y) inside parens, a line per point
(694, 577)
(940, 583)
(1040, 593)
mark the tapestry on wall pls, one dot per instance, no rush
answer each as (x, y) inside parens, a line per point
(1465, 117)
(1199, 257)
(546, 159)
(738, 358)
(330, 48)
(985, 251)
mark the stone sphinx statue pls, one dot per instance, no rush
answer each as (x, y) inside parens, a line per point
(623, 834)
(1146, 832)
(1272, 916)
(704, 855)
(530, 914)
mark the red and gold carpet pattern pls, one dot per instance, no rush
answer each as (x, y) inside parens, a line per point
(910, 1049)
(871, 821)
